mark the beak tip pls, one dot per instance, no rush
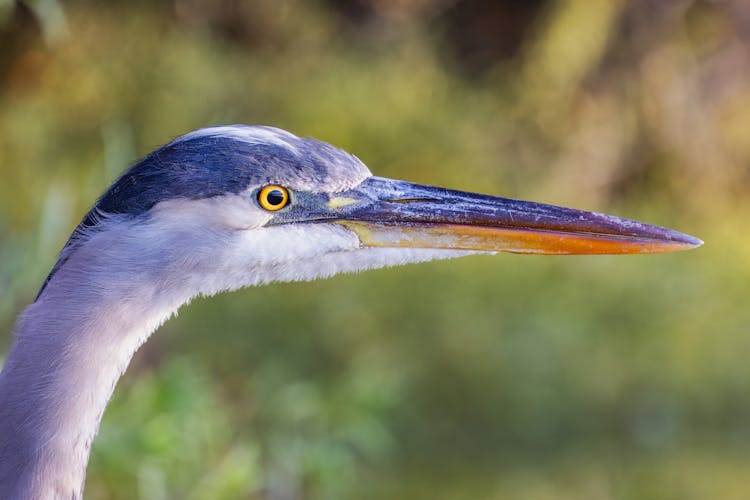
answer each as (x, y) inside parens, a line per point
(677, 242)
(689, 242)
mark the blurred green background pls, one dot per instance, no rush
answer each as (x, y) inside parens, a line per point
(487, 377)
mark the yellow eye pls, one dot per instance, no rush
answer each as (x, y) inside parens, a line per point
(273, 197)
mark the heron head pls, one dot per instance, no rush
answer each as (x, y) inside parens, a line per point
(226, 207)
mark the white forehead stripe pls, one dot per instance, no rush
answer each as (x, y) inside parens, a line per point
(325, 167)
(257, 134)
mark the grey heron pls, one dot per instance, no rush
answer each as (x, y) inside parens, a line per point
(219, 209)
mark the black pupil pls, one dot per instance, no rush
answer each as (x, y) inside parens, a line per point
(275, 197)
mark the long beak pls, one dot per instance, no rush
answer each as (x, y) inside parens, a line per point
(392, 213)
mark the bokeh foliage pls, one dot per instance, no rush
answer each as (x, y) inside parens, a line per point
(501, 377)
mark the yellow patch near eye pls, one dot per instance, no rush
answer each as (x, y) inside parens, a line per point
(273, 197)
(340, 202)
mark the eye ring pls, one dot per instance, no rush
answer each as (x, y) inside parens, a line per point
(273, 197)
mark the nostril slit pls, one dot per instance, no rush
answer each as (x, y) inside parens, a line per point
(410, 200)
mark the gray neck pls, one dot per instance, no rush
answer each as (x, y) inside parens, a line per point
(71, 347)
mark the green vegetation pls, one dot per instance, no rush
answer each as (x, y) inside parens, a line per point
(487, 377)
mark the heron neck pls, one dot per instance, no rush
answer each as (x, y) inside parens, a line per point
(70, 349)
